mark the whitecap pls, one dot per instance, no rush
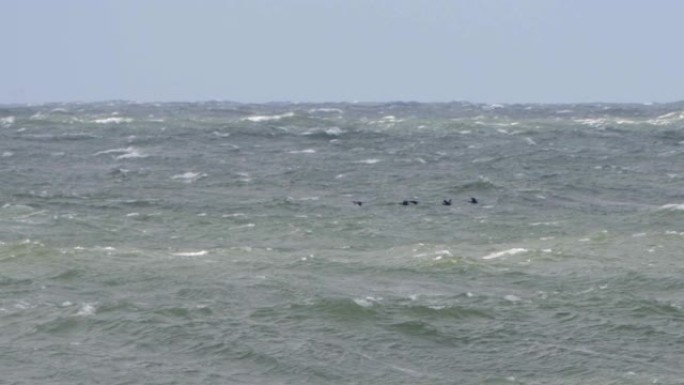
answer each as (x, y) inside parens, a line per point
(334, 131)
(596, 123)
(505, 253)
(389, 118)
(86, 309)
(248, 225)
(266, 118)
(367, 302)
(233, 215)
(132, 155)
(113, 120)
(124, 153)
(191, 253)
(7, 154)
(7, 120)
(307, 151)
(673, 206)
(189, 176)
(313, 198)
(326, 110)
(363, 302)
(668, 118)
(369, 161)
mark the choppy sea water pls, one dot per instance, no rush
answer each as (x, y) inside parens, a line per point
(218, 243)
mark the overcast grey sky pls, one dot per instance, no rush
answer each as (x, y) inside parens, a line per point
(503, 51)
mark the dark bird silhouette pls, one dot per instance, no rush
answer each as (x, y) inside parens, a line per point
(358, 203)
(446, 202)
(473, 201)
(405, 203)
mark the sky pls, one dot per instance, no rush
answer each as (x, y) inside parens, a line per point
(488, 51)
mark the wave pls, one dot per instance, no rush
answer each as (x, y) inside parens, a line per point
(7, 121)
(505, 253)
(306, 151)
(673, 207)
(122, 153)
(268, 118)
(189, 177)
(112, 120)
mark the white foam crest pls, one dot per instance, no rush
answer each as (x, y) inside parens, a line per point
(134, 153)
(37, 116)
(307, 151)
(327, 110)
(191, 253)
(367, 302)
(113, 120)
(505, 253)
(490, 107)
(312, 198)
(673, 206)
(668, 118)
(87, 309)
(596, 123)
(369, 161)
(247, 226)
(7, 154)
(124, 153)
(334, 131)
(7, 121)
(331, 131)
(387, 120)
(266, 118)
(189, 177)
(440, 254)
(553, 223)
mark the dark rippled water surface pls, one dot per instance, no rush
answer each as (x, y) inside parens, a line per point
(217, 243)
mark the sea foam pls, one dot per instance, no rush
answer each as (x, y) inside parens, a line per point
(189, 176)
(266, 118)
(505, 253)
(113, 120)
(673, 206)
(7, 121)
(123, 153)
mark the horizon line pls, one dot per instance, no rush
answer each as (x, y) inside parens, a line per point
(352, 102)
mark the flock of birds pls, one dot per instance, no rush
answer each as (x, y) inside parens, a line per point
(445, 202)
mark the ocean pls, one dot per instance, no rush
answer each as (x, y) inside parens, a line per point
(220, 243)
